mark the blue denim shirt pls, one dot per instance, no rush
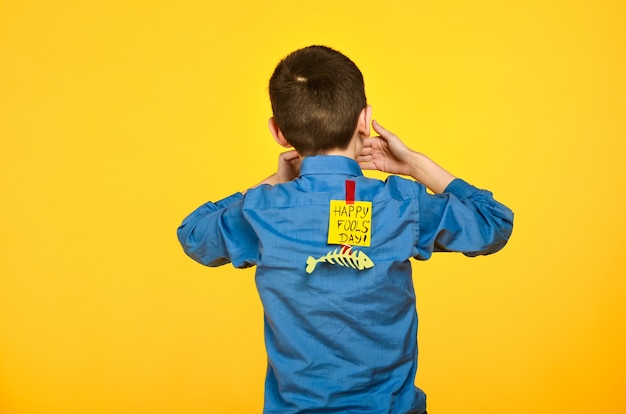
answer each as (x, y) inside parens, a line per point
(342, 339)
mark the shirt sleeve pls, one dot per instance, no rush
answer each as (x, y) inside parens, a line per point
(462, 219)
(217, 233)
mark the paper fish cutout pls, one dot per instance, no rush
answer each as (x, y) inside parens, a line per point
(342, 256)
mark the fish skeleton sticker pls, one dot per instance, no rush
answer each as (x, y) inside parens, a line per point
(342, 256)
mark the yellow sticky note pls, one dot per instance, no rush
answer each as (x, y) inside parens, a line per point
(350, 223)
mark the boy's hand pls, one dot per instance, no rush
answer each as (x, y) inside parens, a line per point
(288, 166)
(288, 169)
(386, 153)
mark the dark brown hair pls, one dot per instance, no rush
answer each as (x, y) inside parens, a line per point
(317, 95)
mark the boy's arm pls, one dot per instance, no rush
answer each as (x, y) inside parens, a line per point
(217, 233)
(388, 153)
(464, 219)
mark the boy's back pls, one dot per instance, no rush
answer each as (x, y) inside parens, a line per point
(340, 337)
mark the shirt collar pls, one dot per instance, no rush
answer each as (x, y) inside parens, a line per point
(330, 165)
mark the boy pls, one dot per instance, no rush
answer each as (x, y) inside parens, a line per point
(332, 247)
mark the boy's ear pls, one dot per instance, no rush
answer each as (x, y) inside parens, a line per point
(365, 119)
(277, 133)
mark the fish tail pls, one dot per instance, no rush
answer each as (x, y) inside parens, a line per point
(310, 264)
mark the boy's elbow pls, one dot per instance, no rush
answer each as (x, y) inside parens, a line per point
(199, 250)
(190, 246)
(183, 234)
(495, 239)
(506, 229)
(186, 242)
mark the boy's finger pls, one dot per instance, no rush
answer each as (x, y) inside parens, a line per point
(290, 155)
(367, 142)
(377, 127)
(382, 131)
(371, 141)
(366, 151)
(367, 165)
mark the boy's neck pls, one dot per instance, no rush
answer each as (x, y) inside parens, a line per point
(351, 151)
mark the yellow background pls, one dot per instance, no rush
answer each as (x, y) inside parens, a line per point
(117, 118)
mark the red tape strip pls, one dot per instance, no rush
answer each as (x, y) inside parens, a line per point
(350, 185)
